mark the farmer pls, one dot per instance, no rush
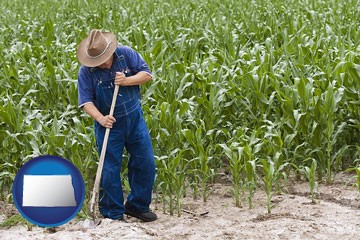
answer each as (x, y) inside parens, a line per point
(105, 64)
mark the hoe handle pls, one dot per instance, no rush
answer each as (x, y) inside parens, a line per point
(95, 192)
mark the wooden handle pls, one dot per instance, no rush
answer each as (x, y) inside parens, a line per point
(95, 191)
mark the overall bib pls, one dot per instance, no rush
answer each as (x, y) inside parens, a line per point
(130, 132)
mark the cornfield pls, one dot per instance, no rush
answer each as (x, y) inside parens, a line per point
(251, 90)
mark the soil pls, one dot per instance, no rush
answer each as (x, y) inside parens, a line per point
(335, 215)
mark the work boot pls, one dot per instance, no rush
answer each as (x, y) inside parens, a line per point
(145, 216)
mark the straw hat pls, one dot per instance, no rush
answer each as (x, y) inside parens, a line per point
(97, 48)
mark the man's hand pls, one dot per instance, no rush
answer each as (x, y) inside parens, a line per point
(107, 121)
(120, 79)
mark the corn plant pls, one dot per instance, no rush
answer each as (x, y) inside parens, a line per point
(331, 100)
(250, 169)
(200, 163)
(268, 167)
(357, 176)
(251, 149)
(310, 173)
(234, 152)
(171, 176)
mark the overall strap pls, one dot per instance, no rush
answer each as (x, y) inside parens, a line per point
(126, 71)
(122, 61)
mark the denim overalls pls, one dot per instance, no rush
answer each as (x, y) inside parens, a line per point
(129, 131)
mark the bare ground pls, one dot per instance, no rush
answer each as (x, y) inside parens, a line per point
(336, 215)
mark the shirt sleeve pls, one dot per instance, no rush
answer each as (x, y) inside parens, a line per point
(86, 91)
(135, 62)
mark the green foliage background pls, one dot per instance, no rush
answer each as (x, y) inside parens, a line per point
(237, 85)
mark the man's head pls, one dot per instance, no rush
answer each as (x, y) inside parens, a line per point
(97, 48)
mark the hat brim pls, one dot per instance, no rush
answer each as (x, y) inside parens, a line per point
(85, 60)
